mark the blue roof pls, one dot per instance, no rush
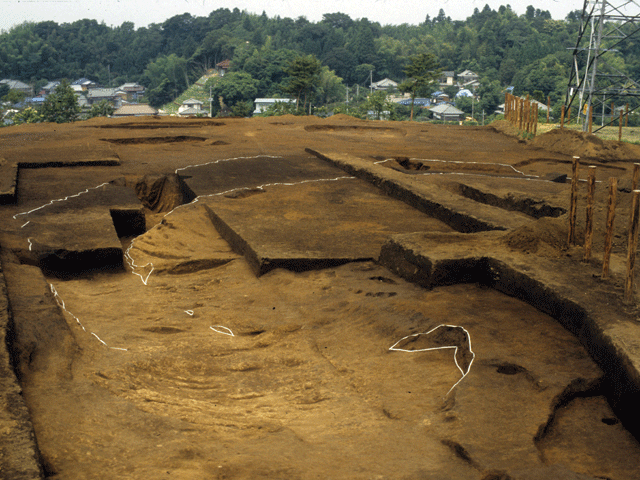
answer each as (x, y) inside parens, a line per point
(418, 101)
(464, 93)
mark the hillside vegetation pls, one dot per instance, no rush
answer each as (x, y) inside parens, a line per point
(530, 52)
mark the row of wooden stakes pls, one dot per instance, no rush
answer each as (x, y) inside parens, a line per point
(634, 221)
(522, 113)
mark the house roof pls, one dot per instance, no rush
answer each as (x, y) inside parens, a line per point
(468, 73)
(15, 84)
(131, 87)
(385, 82)
(464, 93)
(224, 64)
(51, 85)
(446, 109)
(190, 111)
(417, 101)
(101, 93)
(274, 100)
(448, 74)
(192, 101)
(135, 109)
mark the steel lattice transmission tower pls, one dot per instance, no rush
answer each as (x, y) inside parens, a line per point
(596, 82)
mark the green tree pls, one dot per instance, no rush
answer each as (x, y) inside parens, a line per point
(14, 96)
(377, 102)
(304, 74)
(102, 109)
(61, 106)
(28, 115)
(422, 72)
(236, 89)
(4, 90)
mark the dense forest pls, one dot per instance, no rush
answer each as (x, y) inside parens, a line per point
(531, 52)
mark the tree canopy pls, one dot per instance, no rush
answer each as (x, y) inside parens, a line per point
(530, 52)
(61, 106)
(422, 72)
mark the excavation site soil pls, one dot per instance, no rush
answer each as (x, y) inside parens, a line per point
(307, 298)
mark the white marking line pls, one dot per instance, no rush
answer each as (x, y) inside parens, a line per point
(455, 347)
(524, 175)
(227, 332)
(30, 243)
(127, 254)
(189, 312)
(62, 305)
(26, 224)
(226, 160)
(59, 200)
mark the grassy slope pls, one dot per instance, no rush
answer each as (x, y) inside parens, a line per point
(196, 91)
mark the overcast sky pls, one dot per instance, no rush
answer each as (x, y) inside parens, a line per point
(145, 12)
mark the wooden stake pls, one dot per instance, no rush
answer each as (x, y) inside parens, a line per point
(535, 120)
(591, 119)
(626, 116)
(636, 176)
(633, 247)
(611, 215)
(620, 127)
(588, 235)
(548, 108)
(569, 115)
(562, 117)
(573, 204)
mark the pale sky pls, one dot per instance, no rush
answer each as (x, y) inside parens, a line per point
(145, 12)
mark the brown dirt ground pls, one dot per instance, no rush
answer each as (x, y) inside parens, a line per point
(142, 379)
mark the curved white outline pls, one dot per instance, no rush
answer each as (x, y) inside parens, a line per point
(228, 332)
(455, 347)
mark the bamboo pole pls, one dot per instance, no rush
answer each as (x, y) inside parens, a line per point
(591, 119)
(633, 247)
(562, 117)
(527, 116)
(588, 235)
(573, 204)
(535, 120)
(611, 215)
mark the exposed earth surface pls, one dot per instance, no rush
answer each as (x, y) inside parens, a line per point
(306, 298)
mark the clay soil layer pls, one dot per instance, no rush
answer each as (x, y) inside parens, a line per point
(204, 299)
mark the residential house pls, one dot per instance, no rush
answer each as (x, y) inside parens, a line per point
(447, 79)
(18, 85)
(223, 66)
(135, 110)
(263, 104)
(49, 88)
(467, 76)
(447, 113)
(439, 97)
(96, 95)
(191, 108)
(384, 84)
(85, 84)
(133, 91)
